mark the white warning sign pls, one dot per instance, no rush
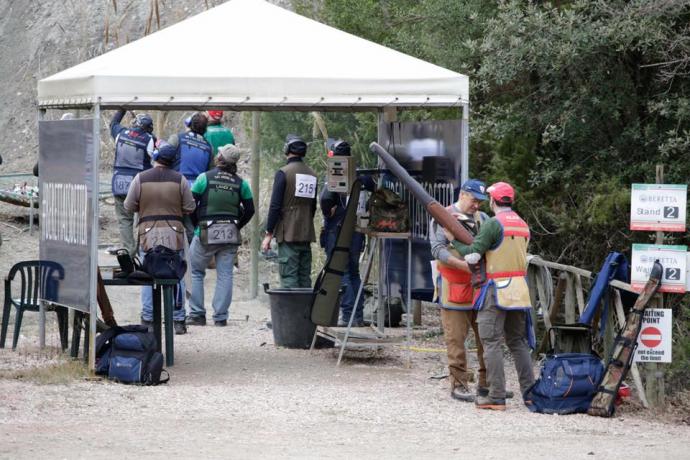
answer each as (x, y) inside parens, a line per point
(654, 342)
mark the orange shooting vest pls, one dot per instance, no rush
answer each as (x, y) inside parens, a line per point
(456, 291)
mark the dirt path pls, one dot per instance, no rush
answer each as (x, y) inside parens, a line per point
(233, 394)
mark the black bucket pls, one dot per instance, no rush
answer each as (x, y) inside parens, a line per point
(291, 316)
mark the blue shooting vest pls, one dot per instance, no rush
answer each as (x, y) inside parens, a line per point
(131, 158)
(194, 155)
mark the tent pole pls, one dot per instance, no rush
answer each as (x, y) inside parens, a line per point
(465, 156)
(41, 304)
(255, 236)
(93, 269)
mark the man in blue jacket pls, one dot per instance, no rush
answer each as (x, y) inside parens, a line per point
(194, 156)
(134, 147)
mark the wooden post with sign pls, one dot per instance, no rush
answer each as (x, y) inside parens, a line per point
(654, 377)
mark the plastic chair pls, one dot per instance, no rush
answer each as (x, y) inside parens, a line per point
(33, 274)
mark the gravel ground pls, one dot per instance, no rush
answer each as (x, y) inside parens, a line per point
(233, 394)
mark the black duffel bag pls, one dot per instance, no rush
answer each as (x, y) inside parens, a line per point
(162, 262)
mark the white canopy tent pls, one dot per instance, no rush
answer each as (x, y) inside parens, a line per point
(265, 58)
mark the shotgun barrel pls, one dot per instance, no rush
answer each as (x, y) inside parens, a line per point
(435, 209)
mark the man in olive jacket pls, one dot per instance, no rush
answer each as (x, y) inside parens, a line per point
(291, 215)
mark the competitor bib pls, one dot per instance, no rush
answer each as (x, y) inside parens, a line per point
(121, 184)
(219, 232)
(305, 186)
(162, 235)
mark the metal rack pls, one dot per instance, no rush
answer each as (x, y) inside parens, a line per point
(375, 336)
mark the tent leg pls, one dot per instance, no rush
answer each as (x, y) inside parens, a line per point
(465, 155)
(41, 304)
(93, 269)
(255, 236)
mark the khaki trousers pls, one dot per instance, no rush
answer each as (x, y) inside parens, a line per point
(125, 223)
(456, 326)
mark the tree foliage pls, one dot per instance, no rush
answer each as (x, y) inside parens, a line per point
(572, 101)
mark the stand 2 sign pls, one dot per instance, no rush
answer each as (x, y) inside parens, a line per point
(672, 258)
(658, 207)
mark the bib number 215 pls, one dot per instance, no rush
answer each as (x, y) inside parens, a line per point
(305, 186)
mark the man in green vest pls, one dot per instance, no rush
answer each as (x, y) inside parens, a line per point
(291, 215)
(216, 134)
(224, 205)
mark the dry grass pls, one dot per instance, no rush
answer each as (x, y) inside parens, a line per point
(63, 372)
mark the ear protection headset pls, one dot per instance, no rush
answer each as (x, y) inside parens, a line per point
(341, 147)
(290, 141)
(144, 121)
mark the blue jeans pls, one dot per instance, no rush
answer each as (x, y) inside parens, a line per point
(351, 279)
(147, 299)
(201, 255)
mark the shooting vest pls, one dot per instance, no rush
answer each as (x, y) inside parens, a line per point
(456, 291)
(506, 264)
(194, 156)
(221, 199)
(160, 209)
(131, 158)
(219, 208)
(296, 224)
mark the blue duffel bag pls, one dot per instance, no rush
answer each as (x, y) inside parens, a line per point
(134, 359)
(566, 385)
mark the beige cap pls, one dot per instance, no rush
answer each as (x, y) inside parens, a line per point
(230, 153)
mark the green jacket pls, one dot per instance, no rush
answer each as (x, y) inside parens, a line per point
(488, 237)
(218, 136)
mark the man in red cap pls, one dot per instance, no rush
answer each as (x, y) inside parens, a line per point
(503, 303)
(216, 134)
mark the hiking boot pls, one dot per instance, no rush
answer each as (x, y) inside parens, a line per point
(221, 323)
(487, 402)
(462, 393)
(196, 321)
(481, 391)
(179, 327)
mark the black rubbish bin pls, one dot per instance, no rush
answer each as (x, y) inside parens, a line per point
(291, 316)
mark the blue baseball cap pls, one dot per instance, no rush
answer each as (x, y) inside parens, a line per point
(165, 153)
(476, 188)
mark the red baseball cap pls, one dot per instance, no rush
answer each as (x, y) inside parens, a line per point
(502, 193)
(215, 114)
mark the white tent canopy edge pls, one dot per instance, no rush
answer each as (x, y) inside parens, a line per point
(265, 64)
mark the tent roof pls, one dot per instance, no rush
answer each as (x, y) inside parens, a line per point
(264, 58)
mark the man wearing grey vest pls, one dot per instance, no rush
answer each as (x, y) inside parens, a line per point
(291, 215)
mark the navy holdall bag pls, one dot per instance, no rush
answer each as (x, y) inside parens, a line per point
(566, 385)
(134, 359)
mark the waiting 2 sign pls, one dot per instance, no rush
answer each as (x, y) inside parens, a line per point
(672, 258)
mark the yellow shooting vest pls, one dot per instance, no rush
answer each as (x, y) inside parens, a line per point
(506, 265)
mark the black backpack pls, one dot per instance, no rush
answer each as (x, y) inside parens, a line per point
(128, 355)
(162, 262)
